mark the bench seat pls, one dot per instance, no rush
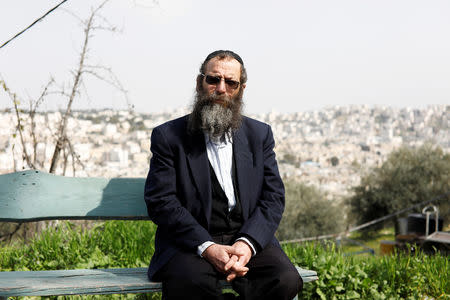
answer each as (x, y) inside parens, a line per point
(83, 281)
(33, 196)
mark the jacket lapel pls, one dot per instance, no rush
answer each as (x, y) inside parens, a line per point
(244, 165)
(198, 163)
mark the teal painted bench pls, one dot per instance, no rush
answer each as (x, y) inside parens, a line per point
(22, 195)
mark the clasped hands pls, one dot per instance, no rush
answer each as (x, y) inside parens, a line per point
(230, 260)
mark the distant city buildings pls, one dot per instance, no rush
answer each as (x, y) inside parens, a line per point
(329, 148)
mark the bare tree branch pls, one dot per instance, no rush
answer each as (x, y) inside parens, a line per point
(65, 156)
(28, 122)
(75, 16)
(62, 127)
(14, 158)
(32, 132)
(85, 91)
(110, 78)
(75, 157)
(94, 22)
(109, 27)
(113, 81)
(33, 107)
(19, 127)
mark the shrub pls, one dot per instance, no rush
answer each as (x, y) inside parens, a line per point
(308, 213)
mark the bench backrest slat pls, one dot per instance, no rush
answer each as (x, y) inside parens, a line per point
(33, 195)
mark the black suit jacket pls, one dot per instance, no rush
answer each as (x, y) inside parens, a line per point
(178, 187)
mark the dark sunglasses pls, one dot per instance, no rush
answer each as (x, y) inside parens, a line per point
(215, 80)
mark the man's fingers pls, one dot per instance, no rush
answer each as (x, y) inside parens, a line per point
(238, 268)
(231, 262)
(240, 274)
(231, 276)
(227, 259)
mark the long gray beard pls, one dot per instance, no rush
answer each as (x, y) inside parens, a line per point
(216, 120)
(213, 118)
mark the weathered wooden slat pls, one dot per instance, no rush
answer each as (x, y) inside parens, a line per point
(34, 195)
(76, 282)
(80, 282)
(307, 275)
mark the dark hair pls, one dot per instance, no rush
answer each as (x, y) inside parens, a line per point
(221, 54)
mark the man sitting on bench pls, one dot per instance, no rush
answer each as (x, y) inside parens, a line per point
(215, 192)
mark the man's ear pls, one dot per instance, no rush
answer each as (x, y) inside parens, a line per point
(244, 85)
(199, 86)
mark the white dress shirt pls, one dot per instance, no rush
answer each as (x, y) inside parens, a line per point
(220, 156)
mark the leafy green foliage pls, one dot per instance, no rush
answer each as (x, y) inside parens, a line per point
(409, 176)
(308, 213)
(401, 276)
(107, 245)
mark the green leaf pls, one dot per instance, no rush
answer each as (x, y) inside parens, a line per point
(340, 289)
(321, 294)
(353, 295)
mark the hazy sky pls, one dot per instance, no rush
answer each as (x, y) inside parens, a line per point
(300, 55)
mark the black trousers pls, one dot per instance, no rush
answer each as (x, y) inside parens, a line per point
(271, 276)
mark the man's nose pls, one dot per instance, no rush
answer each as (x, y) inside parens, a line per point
(221, 87)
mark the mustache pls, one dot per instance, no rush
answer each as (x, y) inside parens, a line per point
(223, 100)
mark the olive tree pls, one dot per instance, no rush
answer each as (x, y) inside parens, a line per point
(309, 213)
(409, 176)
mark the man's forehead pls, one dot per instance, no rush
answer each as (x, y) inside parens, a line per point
(226, 64)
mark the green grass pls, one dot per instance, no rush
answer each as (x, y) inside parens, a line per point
(108, 244)
(130, 244)
(399, 276)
